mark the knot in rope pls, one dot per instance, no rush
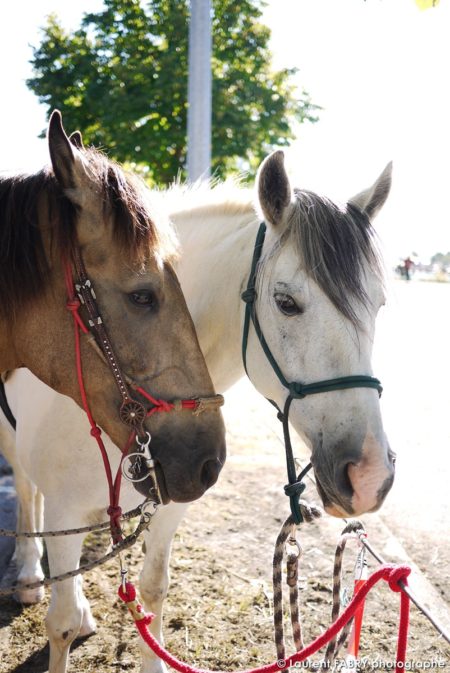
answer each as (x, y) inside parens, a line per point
(128, 594)
(396, 575)
(309, 511)
(296, 390)
(163, 405)
(73, 304)
(114, 511)
(96, 432)
(249, 295)
(295, 489)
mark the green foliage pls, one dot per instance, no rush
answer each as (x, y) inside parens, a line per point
(441, 259)
(121, 79)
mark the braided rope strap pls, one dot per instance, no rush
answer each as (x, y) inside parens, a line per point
(126, 516)
(125, 543)
(392, 574)
(287, 537)
(352, 530)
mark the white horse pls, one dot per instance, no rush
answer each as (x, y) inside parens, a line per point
(319, 287)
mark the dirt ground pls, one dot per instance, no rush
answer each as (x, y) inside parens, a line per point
(219, 610)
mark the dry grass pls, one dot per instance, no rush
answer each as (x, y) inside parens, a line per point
(219, 610)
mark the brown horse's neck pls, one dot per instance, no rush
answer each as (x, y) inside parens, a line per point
(8, 356)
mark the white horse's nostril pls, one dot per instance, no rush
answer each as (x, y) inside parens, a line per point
(370, 486)
(372, 476)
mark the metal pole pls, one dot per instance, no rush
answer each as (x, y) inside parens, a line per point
(199, 91)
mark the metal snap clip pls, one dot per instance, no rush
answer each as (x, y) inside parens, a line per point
(133, 463)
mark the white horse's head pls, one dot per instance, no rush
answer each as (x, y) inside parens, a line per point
(319, 288)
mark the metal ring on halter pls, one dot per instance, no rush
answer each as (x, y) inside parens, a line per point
(146, 443)
(293, 543)
(149, 509)
(149, 462)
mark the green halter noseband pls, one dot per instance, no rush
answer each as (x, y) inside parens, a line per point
(296, 389)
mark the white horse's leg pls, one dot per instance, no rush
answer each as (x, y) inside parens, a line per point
(39, 510)
(154, 579)
(69, 614)
(28, 551)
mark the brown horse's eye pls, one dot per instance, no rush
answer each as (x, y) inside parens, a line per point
(287, 304)
(143, 299)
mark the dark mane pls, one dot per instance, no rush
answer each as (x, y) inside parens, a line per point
(27, 201)
(334, 245)
(123, 194)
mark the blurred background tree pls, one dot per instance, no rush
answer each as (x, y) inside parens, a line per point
(441, 259)
(121, 79)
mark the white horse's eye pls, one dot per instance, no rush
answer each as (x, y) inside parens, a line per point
(287, 304)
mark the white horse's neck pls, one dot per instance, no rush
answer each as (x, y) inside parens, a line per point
(217, 248)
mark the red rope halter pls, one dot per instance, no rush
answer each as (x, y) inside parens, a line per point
(114, 510)
(196, 405)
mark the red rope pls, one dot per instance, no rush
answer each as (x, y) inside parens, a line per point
(392, 574)
(353, 647)
(114, 510)
(163, 405)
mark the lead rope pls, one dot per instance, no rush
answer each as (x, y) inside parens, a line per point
(288, 545)
(353, 530)
(122, 545)
(390, 573)
(287, 542)
(126, 516)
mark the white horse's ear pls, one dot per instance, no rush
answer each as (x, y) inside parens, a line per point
(371, 200)
(273, 188)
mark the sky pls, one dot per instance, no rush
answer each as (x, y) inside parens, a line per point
(380, 69)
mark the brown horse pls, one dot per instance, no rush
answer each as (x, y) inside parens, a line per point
(86, 208)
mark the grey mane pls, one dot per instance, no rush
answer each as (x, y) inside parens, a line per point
(334, 245)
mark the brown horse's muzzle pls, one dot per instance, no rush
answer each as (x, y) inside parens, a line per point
(188, 456)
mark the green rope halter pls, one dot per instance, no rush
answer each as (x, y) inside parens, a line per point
(296, 389)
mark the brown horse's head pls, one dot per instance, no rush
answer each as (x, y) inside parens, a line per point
(88, 203)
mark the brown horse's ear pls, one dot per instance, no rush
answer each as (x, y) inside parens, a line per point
(67, 160)
(273, 188)
(371, 200)
(61, 153)
(77, 140)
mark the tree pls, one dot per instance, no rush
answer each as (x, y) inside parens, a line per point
(441, 259)
(121, 78)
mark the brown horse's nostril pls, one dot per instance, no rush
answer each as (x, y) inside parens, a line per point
(210, 472)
